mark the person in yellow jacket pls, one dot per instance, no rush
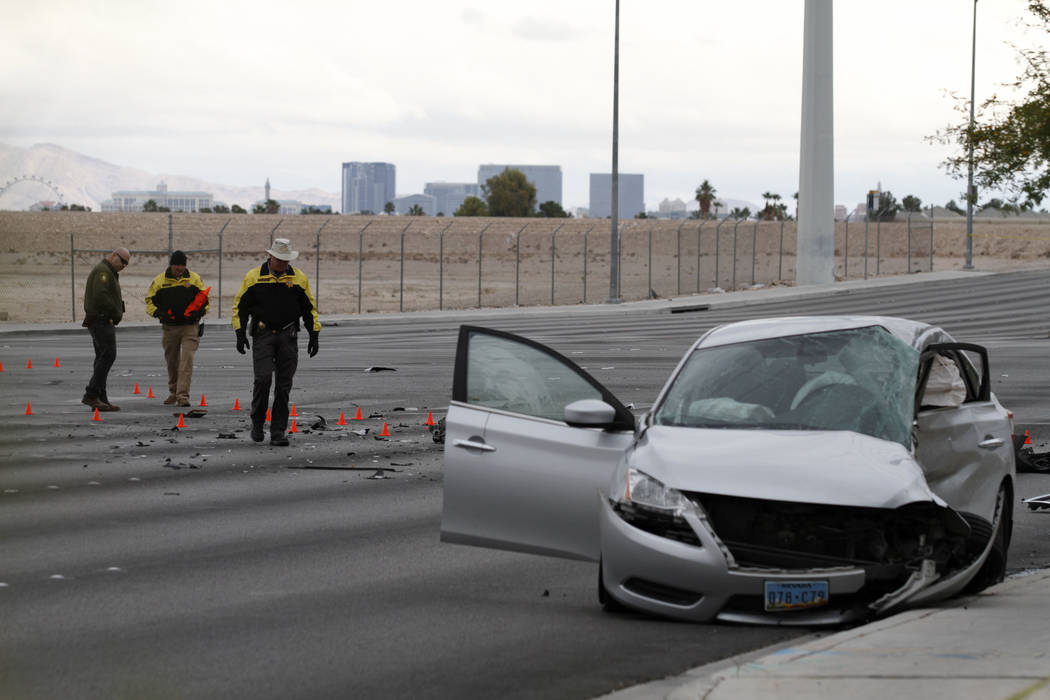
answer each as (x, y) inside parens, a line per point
(178, 299)
(272, 300)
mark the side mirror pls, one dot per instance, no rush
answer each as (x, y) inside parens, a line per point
(589, 413)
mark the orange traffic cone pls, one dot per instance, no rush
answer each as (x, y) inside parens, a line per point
(181, 423)
(268, 416)
(1, 366)
(385, 432)
(136, 389)
(358, 416)
(150, 394)
(203, 402)
(342, 419)
(29, 364)
(1027, 438)
(294, 413)
(236, 404)
(29, 409)
(430, 419)
(96, 416)
(294, 428)
(56, 363)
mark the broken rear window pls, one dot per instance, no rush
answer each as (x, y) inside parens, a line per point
(860, 379)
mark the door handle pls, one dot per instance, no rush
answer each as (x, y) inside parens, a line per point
(473, 445)
(991, 443)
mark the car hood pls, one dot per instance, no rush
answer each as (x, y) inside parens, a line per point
(831, 467)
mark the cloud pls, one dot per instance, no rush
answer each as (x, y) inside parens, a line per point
(543, 29)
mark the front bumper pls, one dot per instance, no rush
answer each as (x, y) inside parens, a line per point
(665, 577)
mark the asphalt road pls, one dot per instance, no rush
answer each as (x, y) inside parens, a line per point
(137, 560)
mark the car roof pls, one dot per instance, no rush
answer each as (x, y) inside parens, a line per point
(915, 333)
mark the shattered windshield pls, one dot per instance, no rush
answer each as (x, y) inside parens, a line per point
(861, 379)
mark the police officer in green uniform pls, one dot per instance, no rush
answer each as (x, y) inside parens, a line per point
(103, 309)
(275, 297)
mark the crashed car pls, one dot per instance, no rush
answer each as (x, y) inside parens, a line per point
(808, 470)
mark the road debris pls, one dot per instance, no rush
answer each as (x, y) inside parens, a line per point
(1038, 502)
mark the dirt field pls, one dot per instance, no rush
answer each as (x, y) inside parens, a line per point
(368, 264)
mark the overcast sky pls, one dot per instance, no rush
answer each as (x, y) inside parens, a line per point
(237, 92)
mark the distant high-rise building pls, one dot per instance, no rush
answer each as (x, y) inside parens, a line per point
(631, 195)
(367, 186)
(672, 208)
(449, 196)
(546, 178)
(403, 205)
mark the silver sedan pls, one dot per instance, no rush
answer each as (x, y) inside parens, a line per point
(805, 470)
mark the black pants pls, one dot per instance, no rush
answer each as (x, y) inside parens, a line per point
(273, 353)
(104, 338)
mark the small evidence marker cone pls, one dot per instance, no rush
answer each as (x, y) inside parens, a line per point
(150, 394)
(29, 364)
(342, 419)
(203, 402)
(385, 432)
(1027, 438)
(1, 366)
(97, 416)
(294, 428)
(136, 390)
(430, 419)
(29, 409)
(294, 413)
(56, 363)
(236, 404)
(268, 416)
(358, 416)
(181, 423)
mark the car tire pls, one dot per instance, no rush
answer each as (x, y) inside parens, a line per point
(993, 570)
(605, 599)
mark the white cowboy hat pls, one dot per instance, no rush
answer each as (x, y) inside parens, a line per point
(282, 250)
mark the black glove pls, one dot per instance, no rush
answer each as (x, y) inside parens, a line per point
(311, 347)
(242, 341)
(200, 330)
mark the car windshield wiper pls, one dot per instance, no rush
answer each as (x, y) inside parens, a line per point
(789, 426)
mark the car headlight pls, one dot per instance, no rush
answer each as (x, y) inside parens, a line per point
(649, 505)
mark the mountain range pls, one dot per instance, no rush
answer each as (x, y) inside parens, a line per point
(88, 181)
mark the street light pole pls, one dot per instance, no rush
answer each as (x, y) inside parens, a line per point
(614, 234)
(970, 193)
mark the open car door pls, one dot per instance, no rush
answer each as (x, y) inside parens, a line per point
(963, 435)
(518, 475)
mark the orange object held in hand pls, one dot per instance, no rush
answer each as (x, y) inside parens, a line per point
(198, 302)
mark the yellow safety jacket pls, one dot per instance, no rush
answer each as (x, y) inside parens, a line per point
(275, 302)
(168, 296)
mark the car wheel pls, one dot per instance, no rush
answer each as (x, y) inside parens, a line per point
(608, 603)
(994, 569)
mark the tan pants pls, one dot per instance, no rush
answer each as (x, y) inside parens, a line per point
(180, 344)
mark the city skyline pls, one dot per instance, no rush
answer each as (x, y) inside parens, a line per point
(707, 92)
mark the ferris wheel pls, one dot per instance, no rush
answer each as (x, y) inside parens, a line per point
(33, 179)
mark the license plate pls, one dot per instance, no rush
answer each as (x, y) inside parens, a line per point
(795, 595)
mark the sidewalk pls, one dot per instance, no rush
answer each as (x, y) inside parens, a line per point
(995, 646)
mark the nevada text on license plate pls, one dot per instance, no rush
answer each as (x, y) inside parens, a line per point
(795, 595)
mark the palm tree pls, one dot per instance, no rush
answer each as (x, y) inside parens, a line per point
(766, 196)
(705, 195)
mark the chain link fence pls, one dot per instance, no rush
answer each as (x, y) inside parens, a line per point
(360, 265)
